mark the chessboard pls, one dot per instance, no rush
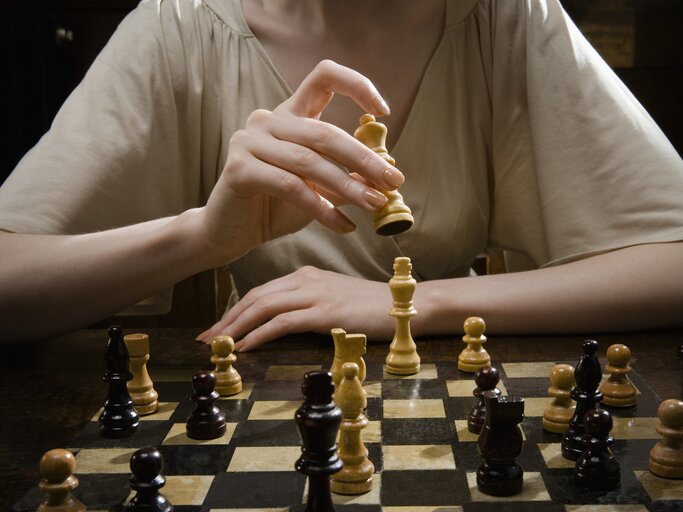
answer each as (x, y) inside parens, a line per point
(425, 459)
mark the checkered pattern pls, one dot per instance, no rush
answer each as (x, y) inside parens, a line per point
(425, 459)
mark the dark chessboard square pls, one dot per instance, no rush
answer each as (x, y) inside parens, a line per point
(375, 455)
(413, 389)
(267, 433)
(149, 433)
(562, 489)
(234, 410)
(534, 433)
(458, 407)
(256, 490)
(513, 506)
(374, 372)
(424, 488)
(277, 390)
(374, 409)
(634, 453)
(416, 431)
(173, 391)
(468, 458)
(195, 459)
(343, 508)
(527, 387)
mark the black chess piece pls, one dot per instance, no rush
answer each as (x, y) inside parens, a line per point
(318, 421)
(207, 421)
(119, 418)
(588, 375)
(486, 379)
(597, 468)
(146, 465)
(500, 443)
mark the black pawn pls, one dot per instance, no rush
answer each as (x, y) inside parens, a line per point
(500, 443)
(207, 421)
(588, 375)
(486, 379)
(318, 421)
(119, 418)
(597, 468)
(146, 465)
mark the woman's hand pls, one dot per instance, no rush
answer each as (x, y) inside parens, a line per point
(286, 167)
(307, 300)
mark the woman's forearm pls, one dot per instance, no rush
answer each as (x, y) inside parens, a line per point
(632, 288)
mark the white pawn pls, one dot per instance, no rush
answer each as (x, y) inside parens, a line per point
(57, 469)
(228, 381)
(140, 387)
(474, 356)
(666, 457)
(557, 415)
(618, 389)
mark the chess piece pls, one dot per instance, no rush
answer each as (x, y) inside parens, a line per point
(348, 348)
(618, 389)
(119, 418)
(318, 421)
(57, 470)
(666, 457)
(597, 468)
(146, 465)
(394, 217)
(586, 394)
(141, 388)
(356, 475)
(207, 421)
(486, 379)
(228, 381)
(559, 413)
(500, 443)
(402, 358)
(474, 356)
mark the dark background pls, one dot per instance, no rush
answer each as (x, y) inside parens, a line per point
(49, 44)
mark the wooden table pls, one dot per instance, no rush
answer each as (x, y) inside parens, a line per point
(51, 389)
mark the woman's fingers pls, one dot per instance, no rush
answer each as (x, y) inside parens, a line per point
(326, 79)
(281, 325)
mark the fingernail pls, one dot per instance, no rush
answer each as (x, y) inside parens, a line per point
(393, 177)
(374, 199)
(382, 106)
(345, 224)
(202, 336)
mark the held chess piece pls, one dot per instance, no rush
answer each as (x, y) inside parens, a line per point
(141, 388)
(228, 381)
(402, 358)
(348, 348)
(618, 389)
(394, 217)
(666, 457)
(486, 379)
(356, 475)
(500, 443)
(558, 414)
(474, 356)
(587, 375)
(119, 418)
(597, 468)
(207, 421)
(146, 465)
(57, 470)
(318, 421)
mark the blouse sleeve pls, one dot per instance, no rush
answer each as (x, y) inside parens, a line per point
(124, 148)
(578, 166)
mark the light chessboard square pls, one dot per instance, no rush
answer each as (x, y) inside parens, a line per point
(373, 389)
(185, 489)
(104, 460)
(534, 406)
(605, 508)
(178, 436)
(465, 436)
(427, 371)
(465, 387)
(164, 413)
(406, 457)
(370, 434)
(420, 408)
(247, 388)
(274, 409)
(371, 497)
(521, 370)
(533, 489)
(290, 372)
(286, 509)
(552, 455)
(660, 488)
(635, 428)
(256, 458)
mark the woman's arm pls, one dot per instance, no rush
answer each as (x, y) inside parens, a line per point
(632, 288)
